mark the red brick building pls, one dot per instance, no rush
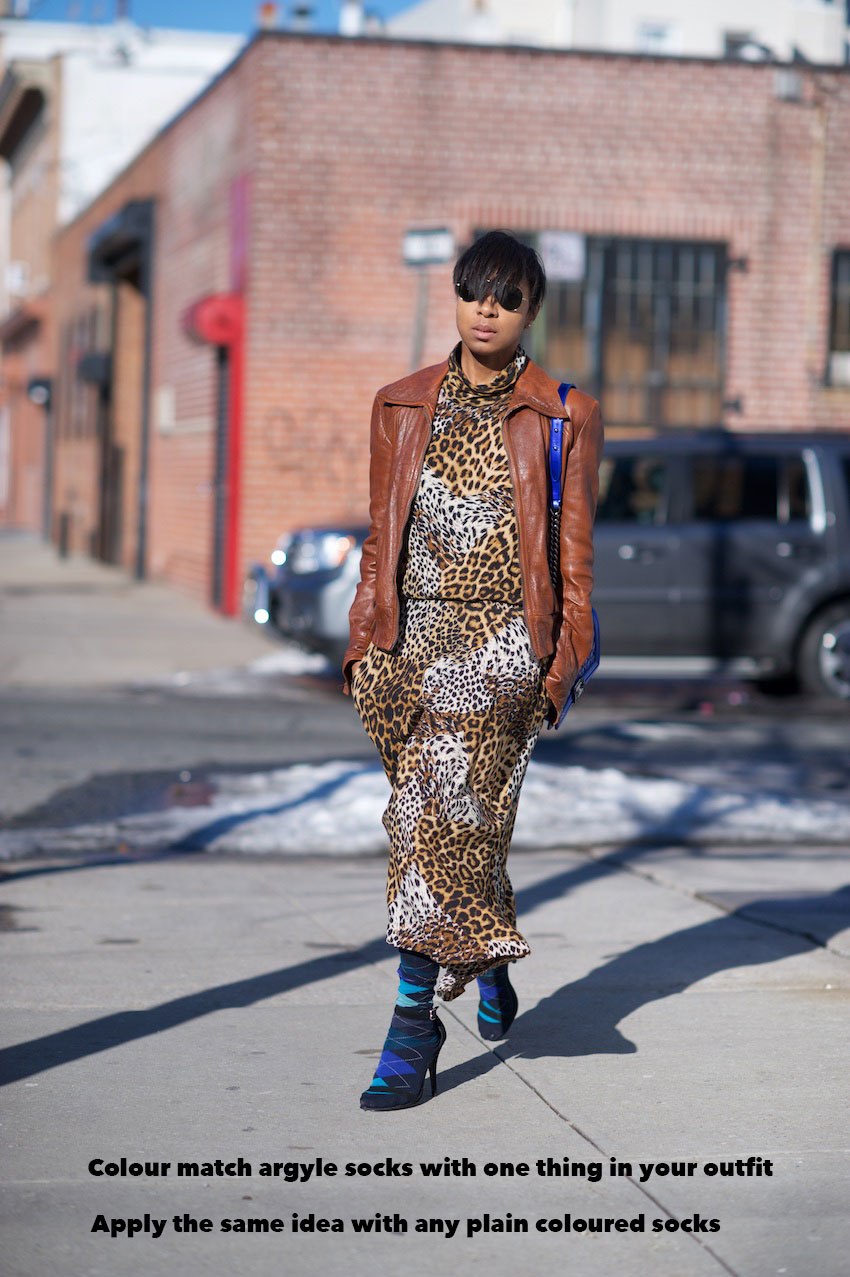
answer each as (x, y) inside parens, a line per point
(77, 100)
(25, 335)
(695, 215)
(135, 401)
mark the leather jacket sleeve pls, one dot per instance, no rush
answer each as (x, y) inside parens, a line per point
(578, 510)
(361, 613)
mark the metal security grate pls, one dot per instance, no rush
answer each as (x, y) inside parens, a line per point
(644, 330)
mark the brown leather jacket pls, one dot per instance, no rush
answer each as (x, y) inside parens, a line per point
(400, 432)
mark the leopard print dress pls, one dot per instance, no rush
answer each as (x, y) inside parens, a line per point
(455, 708)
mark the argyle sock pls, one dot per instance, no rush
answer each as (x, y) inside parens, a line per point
(417, 976)
(413, 1035)
(498, 1003)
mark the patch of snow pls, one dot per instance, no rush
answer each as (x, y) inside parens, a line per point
(290, 660)
(334, 808)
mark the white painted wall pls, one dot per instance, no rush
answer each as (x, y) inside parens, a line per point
(816, 27)
(111, 107)
(544, 22)
(121, 84)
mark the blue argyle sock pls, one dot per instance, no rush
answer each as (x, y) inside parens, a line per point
(497, 1004)
(417, 976)
(413, 1035)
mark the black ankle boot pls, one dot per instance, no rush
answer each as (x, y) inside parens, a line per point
(410, 1051)
(497, 1006)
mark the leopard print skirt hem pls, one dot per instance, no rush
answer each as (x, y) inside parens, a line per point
(454, 710)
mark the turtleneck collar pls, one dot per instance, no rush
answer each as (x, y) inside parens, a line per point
(503, 381)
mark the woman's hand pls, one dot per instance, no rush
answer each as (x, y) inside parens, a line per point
(349, 670)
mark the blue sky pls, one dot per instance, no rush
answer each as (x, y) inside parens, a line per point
(205, 15)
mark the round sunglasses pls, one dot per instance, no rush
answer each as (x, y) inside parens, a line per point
(508, 296)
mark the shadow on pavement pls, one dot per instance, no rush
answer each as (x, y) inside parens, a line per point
(580, 1019)
(108, 1031)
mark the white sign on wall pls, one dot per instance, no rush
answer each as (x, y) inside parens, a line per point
(421, 248)
(563, 254)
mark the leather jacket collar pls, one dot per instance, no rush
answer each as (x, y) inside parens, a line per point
(534, 389)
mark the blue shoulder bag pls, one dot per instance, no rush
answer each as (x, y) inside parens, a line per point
(556, 442)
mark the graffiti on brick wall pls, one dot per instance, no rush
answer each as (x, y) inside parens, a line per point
(322, 456)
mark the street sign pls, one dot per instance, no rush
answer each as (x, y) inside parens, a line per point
(426, 247)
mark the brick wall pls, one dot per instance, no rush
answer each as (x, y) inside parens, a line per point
(349, 143)
(27, 351)
(187, 170)
(356, 142)
(22, 502)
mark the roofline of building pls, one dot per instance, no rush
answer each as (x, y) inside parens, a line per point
(390, 42)
(545, 50)
(261, 33)
(161, 132)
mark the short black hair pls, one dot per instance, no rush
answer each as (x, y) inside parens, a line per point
(498, 257)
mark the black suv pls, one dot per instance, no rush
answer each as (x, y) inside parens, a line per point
(725, 551)
(714, 552)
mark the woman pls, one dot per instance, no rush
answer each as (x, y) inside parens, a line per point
(460, 646)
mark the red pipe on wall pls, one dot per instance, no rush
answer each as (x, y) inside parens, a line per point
(218, 320)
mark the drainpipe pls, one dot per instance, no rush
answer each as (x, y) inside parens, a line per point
(218, 320)
(40, 392)
(146, 281)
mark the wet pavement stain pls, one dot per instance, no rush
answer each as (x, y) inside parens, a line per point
(8, 920)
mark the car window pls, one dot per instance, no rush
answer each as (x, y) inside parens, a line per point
(735, 487)
(742, 487)
(632, 489)
(794, 499)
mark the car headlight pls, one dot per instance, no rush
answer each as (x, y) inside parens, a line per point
(280, 553)
(319, 551)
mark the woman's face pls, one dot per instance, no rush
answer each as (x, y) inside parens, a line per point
(490, 332)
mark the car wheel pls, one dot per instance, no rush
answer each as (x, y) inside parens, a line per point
(824, 662)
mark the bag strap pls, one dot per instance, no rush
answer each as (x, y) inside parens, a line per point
(556, 447)
(556, 452)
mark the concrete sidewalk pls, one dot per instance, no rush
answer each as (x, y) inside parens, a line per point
(684, 1006)
(144, 630)
(677, 1008)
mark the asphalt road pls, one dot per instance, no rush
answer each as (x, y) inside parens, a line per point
(68, 753)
